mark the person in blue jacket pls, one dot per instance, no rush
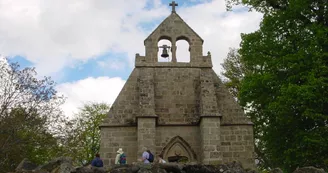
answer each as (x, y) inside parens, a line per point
(97, 162)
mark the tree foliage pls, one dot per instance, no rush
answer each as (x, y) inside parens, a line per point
(83, 136)
(29, 116)
(286, 87)
(234, 71)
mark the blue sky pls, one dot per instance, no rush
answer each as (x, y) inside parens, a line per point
(88, 47)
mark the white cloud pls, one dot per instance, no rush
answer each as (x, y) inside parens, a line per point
(112, 64)
(53, 34)
(101, 89)
(219, 29)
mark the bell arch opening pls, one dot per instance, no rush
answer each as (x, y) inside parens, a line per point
(164, 53)
(183, 49)
(179, 151)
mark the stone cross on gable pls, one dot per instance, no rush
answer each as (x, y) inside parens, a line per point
(173, 4)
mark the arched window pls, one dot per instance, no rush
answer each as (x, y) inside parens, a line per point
(182, 52)
(167, 42)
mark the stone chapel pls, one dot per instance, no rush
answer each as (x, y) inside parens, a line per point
(178, 109)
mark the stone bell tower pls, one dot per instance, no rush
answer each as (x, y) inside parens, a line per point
(181, 110)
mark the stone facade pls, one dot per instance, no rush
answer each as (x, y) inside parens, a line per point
(180, 110)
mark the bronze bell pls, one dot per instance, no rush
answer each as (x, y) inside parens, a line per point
(165, 52)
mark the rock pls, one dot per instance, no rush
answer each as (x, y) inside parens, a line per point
(134, 168)
(125, 169)
(222, 168)
(66, 168)
(53, 164)
(235, 167)
(309, 169)
(156, 169)
(26, 165)
(144, 170)
(83, 169)
(171, 167)
(200, 168)
(98, 170)
(276, 170)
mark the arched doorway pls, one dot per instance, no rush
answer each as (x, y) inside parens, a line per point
(179, 151)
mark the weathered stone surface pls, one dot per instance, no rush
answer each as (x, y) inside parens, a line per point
(84, 169)
(125, 168)
(309, 169)
(65, 166)
(144, 170)
(50, 166)
(176, 168)
(200, 168)
(98, 170)
(26, 165)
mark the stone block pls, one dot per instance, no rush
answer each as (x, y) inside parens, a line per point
(226, 154)
(248, 137)
(237, 148)
(215, 155)
(230, 138)
(242, 154)
(214, 142)
(225, 143)
(209, 148)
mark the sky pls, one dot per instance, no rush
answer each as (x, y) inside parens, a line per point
(88, 46)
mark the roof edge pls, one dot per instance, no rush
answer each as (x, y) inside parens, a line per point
(173, 13)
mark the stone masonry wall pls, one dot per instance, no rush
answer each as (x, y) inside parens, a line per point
(146, 134)
(174, 28)
(177, 95)
(113, 138)
(164, 135)
(228, 107)
(208, 100)
(126, 105)
(237, 143)
(146, 92)
(210, 140)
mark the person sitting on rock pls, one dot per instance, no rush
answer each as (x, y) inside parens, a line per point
(160, 159)
(120, 157)
(97, 162)
(147, 156)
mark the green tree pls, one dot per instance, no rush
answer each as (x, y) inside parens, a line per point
(29, 116)
(83, 138)
(234, 71)
(286, 88)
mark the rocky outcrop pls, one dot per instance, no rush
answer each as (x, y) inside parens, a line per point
(25, 166)
(64, 165)
(58, 165)
(309, 169)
